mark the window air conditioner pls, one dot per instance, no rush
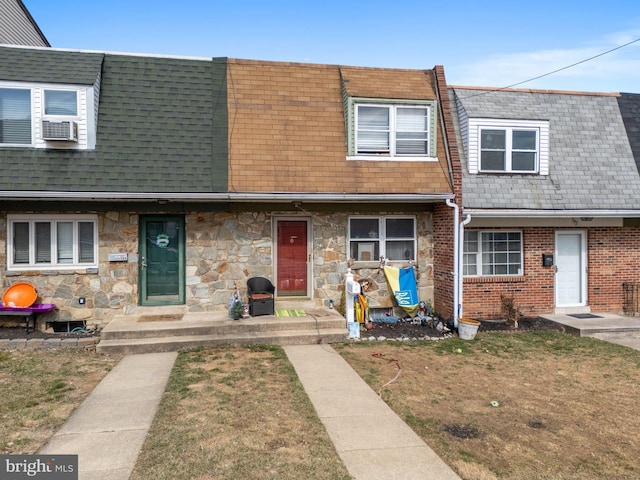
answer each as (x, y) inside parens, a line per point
(66, 131)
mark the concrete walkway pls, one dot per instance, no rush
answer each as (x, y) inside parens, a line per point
(372, 441)
(108, 430)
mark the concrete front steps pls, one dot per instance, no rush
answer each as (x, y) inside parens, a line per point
(166, 329)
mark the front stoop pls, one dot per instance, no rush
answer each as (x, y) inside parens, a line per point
(166, 330)
(601, 324)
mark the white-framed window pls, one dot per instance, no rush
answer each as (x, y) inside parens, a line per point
(391, 237)
(509, 149)
(50, 116)
(381, 129)
(492, 253)
(507, 146)
(52, 242)
(61, 103)
(15, 116)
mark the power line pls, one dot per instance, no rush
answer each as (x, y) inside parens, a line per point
(558, 70)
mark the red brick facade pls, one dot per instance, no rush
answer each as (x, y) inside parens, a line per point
(613, 258)
(443, 278)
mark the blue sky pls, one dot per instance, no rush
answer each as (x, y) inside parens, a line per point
(483, 43)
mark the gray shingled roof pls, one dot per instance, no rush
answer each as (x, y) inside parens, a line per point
(162, 127)
(49, 66)
(629, 104)
(591, 163)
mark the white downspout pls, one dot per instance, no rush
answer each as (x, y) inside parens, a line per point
(458, 250)
(461, 263)
(456, 261)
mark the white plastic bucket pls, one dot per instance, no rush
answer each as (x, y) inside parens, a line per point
(467, 328)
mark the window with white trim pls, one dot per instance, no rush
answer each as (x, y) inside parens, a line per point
(492, 253)
(392, 130)
(507, 146)
(509, 150)
(15, 116)
(380, 129)
(61, 102)
(52, 242)
(393, 238)
(26, 107)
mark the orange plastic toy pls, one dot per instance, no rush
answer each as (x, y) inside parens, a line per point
(20, 295)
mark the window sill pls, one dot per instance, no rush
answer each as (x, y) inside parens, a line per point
(388, 158)
(355, 264)
(496, 173)
(36, 271)
(496, 279)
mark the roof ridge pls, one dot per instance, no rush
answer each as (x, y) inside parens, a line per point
(534, 90)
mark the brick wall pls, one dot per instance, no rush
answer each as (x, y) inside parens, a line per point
(613, 258)
(443, 260)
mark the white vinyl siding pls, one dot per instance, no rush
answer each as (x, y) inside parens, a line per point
(52, 242)
(519, 136)
(48, 102)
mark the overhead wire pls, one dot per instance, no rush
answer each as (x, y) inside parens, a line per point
(557, 70)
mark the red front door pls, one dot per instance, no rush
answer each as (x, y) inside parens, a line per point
(292, 258)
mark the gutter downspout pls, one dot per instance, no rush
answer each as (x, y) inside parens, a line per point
(456, 261)
(458, 239)
(461, 262)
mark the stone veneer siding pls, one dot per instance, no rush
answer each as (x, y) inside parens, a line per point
(613, 258)
(222, 249)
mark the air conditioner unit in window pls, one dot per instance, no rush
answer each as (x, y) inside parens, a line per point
(66, 131)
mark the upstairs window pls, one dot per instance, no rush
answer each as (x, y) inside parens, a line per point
(61, 102)
(392, 130)
(391, 237)
(508, 150)
(15, 116)
(51, 116)
(507, 146)
(384, 130)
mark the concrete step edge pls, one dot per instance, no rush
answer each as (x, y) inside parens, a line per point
(178, 329)
(165, 344)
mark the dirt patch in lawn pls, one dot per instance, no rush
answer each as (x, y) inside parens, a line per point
(537, 405)
(407, 330)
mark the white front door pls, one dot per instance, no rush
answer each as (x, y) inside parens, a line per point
(571, 269)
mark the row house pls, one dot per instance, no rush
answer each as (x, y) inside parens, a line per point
(136, 180)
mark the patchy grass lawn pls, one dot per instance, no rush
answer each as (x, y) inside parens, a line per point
(237, 413)
(40, 389)
(564, 407)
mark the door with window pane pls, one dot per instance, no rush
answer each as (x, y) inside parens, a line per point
(162, 260)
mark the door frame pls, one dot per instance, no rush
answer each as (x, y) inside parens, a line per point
(293, 218)
(143, 300)
(583, 267)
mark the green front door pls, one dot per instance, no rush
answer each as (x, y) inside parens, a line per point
(162, 258)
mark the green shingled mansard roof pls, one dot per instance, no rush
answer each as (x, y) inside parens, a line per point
(49, 66)
(162, 125)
